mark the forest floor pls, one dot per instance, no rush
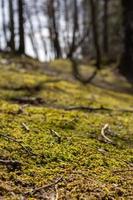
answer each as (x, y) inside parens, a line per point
(60, 139)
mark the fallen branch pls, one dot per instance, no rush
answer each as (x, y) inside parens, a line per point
(125, 110)
(9, 162)
(87, 108)
(104, 131)
(12, 164)
(40, 102)
(92, 109)
(45, 187)
(9, 138)
(27, 100)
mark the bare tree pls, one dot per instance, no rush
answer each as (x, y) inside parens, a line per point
(11, 26)
(126, 64)
(75, 29)
(4, 22)
(53, 30)
(95, 32)
(105, 27)
(21, 49)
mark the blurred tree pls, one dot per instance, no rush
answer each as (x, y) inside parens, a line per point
(32, 34)
(74, 30)
(88, 29)
(105, 27)
(95, 32)
(11, 26)
(126, 63)
(4, 22)
(53, 29)
(21, 49)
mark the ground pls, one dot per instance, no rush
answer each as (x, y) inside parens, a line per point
(50, 133)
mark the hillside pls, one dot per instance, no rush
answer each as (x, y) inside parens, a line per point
(62, 139)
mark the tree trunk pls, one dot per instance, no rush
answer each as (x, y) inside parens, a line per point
(21, 49)
(126, 63)
(67, 24)
(12, 37)
(75, 29)
(4, 22)
(105, 28)
(54, 34)
(95, 33)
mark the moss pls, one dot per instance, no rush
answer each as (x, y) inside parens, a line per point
(82, 158)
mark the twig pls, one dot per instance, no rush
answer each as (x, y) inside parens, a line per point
(56, 135)
(45, 187)
(9, 162)
(7, 137)
(14, 164)
(124, 110)
(86, 108)
(120, 171)
(25, 127)
(27, 100)
(104, 130)
(92, 109)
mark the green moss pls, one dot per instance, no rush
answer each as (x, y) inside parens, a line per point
(82, 158)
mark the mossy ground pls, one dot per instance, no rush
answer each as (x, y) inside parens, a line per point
(90, 167)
